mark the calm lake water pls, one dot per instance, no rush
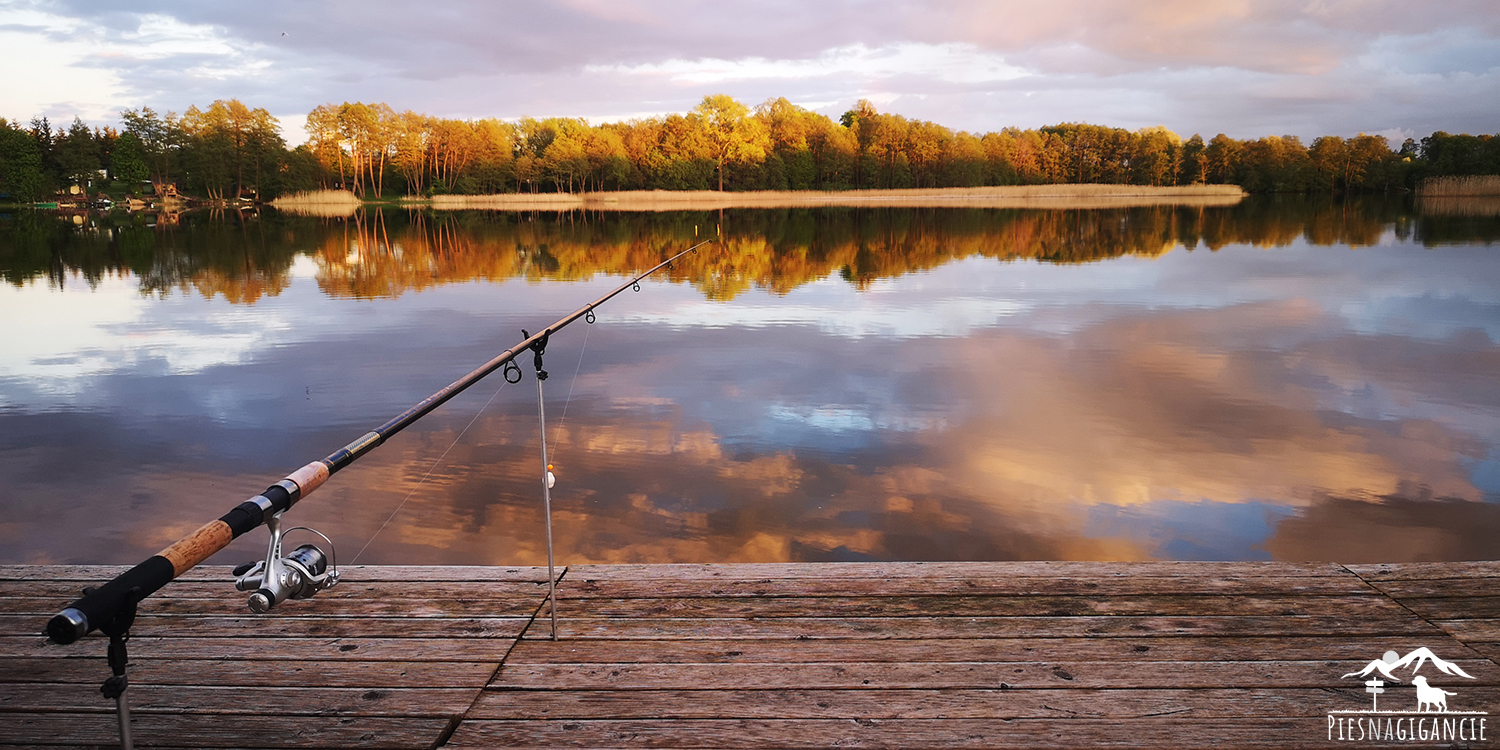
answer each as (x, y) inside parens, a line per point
(1284, 379)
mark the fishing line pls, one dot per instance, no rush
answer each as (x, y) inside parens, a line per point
(439, 460)
(586, 331)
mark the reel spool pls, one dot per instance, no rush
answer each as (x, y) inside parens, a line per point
(304, 572)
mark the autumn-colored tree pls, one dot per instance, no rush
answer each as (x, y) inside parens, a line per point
(325, 141)
(566, 162)
(834, 152)
(926, 145)
(228, 142)
(964, 162)
(1194, 161)
(1330, 157)
(1219, 158)
(1366, 163)
(1157, 158)
(733, 136)
(207, 152)
(1274, 164)
(723, 144)
(411, 134)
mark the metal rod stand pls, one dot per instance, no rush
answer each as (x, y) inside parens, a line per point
(541, 409)
(118, 630)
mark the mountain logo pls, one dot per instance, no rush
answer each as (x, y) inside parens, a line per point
(1430, 719)
(1389, 663)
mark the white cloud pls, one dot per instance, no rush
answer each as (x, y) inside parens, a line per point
(951, 62)
(79, 67)
(33, 41)
(160, 36)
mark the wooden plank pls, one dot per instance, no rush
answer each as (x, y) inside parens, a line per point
(933, 675)
(581, 588)
(200, 730)
(224, 672)
(279, 649)
(1423, 589)
(1455, 607)
(342, 608)
(798, 703)
(1490, 651)
(101, 573)
(1364, 606)
(280, 625)
(980, 627)
(888, 570)
(1163, 648)
(906, 733)
(1468, 631)
(276, 700)
(66, 591)
(1426, 571)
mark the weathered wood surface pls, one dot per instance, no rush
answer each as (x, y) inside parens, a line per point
(758, 655)
(390, 658)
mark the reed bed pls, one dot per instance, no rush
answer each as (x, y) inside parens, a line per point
(1019, 196)
(321, 203)
(1458, 205)
(1472, 185)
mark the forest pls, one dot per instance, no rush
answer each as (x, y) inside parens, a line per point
(231, 151)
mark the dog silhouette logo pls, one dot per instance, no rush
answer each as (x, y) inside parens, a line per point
(1430, 698)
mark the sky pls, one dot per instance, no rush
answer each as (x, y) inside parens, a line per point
(1247, 68)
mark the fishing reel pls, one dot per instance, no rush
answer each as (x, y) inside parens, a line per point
(296, 576)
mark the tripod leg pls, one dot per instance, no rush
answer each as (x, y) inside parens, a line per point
(122, 709)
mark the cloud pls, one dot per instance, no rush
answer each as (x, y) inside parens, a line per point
(1396, 528)
(954, 63)
(1244, 67)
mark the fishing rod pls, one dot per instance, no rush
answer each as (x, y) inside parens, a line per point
(111, 606)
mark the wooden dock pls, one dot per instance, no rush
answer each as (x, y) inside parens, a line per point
(952, 655)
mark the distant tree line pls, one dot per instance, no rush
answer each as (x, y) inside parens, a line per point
(221, 152)
(230, 150)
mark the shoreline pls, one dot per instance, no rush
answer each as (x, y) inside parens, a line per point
(341, 202)
(1018, 196)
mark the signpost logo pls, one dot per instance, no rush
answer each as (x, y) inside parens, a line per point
(1427, 716)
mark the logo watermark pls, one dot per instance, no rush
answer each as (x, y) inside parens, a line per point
(1429, 719)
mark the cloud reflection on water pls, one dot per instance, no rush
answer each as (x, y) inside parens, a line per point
(1298, 403)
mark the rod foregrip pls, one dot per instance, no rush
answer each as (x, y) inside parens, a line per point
(197, 546)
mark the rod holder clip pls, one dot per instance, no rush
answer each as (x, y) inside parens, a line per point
(538, 348)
